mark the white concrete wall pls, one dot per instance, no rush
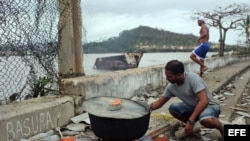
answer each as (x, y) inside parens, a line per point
(124, 83)
(119, 83)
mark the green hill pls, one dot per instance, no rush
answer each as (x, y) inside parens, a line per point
(144, 39)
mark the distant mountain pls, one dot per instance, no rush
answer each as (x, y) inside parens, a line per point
(145, 39)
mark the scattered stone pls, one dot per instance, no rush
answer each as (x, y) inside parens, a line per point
(230, 85)
(151, 100)
(222, 116)
(41, 135)
(77, 127)
(51, 138)
(153, 94)
(240, 120)
(225, 122)
(69, 133)
(240, 109)
(243, 114)
(135, 98)
(81, 118)
(204, 138)
(228, 93)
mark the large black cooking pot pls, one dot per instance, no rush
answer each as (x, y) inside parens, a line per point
(127, 124)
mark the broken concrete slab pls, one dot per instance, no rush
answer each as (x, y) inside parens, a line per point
(30, 117)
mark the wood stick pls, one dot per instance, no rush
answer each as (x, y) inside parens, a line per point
(159, 131)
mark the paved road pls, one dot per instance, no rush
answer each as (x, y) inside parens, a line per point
(217, 79)
(223, 76)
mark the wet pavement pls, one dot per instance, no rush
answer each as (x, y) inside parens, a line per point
(230, 84)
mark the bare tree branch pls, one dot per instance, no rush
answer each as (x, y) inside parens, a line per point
(224, 19)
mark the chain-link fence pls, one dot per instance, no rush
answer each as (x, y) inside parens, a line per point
(28, 49)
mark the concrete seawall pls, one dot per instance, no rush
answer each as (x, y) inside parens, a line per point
(30, 117)
(124, 83)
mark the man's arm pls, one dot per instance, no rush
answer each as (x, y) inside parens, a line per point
(201, 105)
(158, 103)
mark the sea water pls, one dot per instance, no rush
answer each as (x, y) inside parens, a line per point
(148, 59)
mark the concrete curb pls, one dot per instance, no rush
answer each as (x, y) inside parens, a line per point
(230, 79)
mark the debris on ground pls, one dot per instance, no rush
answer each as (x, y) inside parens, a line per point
(162, 127)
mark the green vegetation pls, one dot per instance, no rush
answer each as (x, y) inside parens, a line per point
(40, 87)
(146, 39)
(141, 39)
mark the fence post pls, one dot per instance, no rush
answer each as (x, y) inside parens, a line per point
(77, 30)
(70, 53)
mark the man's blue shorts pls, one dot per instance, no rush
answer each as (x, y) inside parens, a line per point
(201, 50)
(181, 108)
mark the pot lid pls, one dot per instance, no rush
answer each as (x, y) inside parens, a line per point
(129, 109)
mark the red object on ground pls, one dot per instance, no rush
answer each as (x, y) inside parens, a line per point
(162, 138)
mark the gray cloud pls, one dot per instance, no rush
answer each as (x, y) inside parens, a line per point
(107, 18)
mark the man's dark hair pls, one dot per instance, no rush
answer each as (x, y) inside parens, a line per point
(175, 66)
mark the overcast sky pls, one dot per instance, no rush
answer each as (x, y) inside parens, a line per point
(103, 19)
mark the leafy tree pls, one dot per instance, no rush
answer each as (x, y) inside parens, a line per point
(224, 19)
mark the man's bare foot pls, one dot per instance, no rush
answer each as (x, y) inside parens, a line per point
(201, 73)
(204, 69)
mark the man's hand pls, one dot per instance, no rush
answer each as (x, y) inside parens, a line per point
(188, 128)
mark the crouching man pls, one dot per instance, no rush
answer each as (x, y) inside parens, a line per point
(197, 102)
